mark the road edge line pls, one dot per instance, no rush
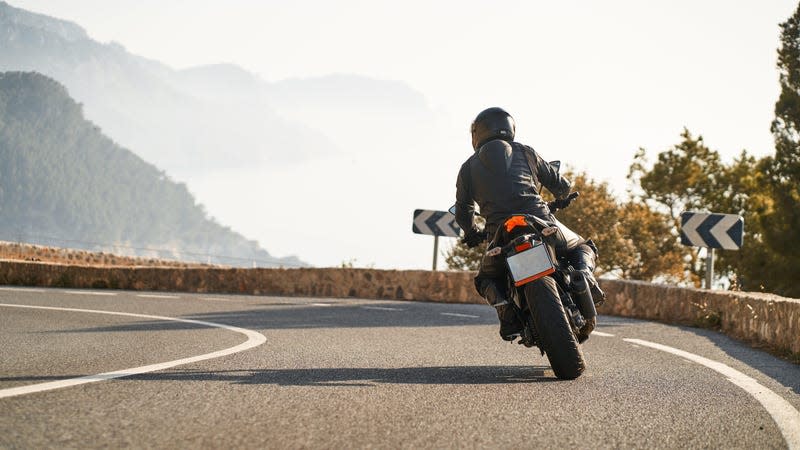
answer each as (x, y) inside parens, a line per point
(254, 339)
(786, 416)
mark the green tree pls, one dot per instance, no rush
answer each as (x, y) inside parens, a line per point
(634, 241)
(649, 250)
(683, 178)
(781, 221)
(740, 187)
(461, 257)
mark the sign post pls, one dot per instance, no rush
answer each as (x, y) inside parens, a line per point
(436, 223)
(435, 251)
(710, 230)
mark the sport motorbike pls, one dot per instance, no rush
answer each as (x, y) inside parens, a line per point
(552, 300)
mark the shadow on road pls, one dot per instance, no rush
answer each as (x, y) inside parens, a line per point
(302, 317)
(468, 375)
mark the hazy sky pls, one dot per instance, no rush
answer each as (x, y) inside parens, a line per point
(587, 81)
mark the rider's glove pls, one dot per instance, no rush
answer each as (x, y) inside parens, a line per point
(562, 203)
(474, 238)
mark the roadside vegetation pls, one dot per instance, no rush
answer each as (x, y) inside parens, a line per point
(638, 235)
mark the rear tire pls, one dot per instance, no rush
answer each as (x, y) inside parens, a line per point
(555, 335)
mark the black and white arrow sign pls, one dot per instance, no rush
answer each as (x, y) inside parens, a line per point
(436, 223)
(711, 230)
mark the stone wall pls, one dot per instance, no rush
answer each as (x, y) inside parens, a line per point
(29, 252)
(766, 320)
(758, 318)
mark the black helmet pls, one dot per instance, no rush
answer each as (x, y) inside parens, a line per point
(492, 123)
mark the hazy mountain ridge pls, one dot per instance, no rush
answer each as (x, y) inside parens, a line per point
(278, 148)
(221, 115)
(141, 103)
(61, 178)
(67, 30)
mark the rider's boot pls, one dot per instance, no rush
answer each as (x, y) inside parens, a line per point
(598, 295)
(583, 261)
(510, 326)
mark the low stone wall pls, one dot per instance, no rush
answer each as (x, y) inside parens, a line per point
(766, 320)
(418, 285)
(38, 253)
(761, 319)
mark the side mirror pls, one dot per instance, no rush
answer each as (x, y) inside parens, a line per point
(452, 210)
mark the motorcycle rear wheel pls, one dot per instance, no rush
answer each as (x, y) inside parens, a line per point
(555, 335)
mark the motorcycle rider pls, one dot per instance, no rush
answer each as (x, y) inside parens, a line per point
(504, 178)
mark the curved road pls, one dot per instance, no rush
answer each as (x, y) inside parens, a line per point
(363, 373)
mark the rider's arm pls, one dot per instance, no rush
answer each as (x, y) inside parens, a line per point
(550, 178)
(465, 203)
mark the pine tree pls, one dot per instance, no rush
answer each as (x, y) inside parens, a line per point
(782, 222)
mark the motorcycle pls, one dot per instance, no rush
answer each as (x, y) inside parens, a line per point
(552, 300)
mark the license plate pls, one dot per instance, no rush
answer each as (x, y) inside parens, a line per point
(530, 264)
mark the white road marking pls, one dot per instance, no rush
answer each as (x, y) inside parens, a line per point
(461, 315)
(254, 339)
(13, 289)
(98, 294)
(320, 304)
(600, 333)
(382, 308)
(217, 299)
(156, 296)
(783, 413)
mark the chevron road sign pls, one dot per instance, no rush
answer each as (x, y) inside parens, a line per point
(725, 231)
(709, 230)
(436, 223)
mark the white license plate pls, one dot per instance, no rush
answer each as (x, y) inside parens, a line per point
(530, 265)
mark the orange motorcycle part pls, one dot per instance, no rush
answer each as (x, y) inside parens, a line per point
(514, 222)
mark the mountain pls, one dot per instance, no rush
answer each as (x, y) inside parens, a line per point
(151, 108)
(260, 153)
(217, 116)
(62, 179)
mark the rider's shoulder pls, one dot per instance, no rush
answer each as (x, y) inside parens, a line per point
(468, 163)
(522, 146)
(471, 158)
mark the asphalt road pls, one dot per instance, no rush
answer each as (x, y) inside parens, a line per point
(362, 373)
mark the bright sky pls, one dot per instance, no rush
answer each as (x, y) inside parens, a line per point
(588, 82)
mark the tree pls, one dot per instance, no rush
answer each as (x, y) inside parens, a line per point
(633, 240)
(684, 178)
(461, 257)
(741, 187)
(781, 221)
(650, 250)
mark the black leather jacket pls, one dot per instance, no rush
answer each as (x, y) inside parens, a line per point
(505, 179)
